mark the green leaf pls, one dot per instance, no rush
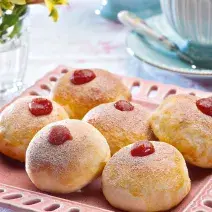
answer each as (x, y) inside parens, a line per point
(16, 30)
(8, 21)
(19, 10)
(12, 20)
(54, 14)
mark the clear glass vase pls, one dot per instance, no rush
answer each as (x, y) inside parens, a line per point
(13, 58)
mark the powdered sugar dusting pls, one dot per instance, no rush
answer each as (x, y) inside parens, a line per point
(162, 170)
(124, 126)
(106, 87)
(80, 157)
(108, 117)
(19, 122)
(18, 125)
(156, 182)
(179, 122)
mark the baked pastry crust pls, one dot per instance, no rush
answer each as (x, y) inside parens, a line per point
(70, 166)
(156, 182)
(79, 99)
(121, 128)
(180, 123)
(18, 126)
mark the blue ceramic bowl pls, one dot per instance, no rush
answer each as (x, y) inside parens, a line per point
(144, 8)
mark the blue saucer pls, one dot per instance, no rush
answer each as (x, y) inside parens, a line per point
(152, 53)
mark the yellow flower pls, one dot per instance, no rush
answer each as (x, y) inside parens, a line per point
(19, 2)
(6, 4)
(51, 7)
(9, 4)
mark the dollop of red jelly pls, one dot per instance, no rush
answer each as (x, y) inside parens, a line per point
(40, 106)
(82, 76)
(59, 134)
(205, 105)
(142, 148)
(123, 105)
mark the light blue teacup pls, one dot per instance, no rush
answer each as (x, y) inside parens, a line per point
(192, 20)
(144, 8)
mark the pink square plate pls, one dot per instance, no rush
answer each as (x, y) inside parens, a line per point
(17, 190)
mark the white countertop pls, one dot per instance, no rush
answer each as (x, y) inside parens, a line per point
(82, 39)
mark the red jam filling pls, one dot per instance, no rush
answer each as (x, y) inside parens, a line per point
(124, 105)
(142, 148)
(59, 134)
(40, 106)
(82, 76)
(205, 105)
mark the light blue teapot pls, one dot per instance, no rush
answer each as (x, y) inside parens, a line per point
(144, 8)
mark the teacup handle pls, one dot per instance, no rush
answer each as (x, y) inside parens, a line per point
(141, 27)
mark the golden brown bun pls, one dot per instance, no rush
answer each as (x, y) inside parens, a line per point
(79, 99)
(120, 128)
(70, 166)
(180, 123)
(156, 182)
(18, 126)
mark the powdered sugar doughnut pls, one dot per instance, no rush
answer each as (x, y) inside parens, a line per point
(21, 120)
(179, 122)
(146, 176)
(82, 89)
(122, 123)
(65, 156)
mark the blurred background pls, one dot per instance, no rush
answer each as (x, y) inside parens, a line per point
(81, 38)
(84, 36)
